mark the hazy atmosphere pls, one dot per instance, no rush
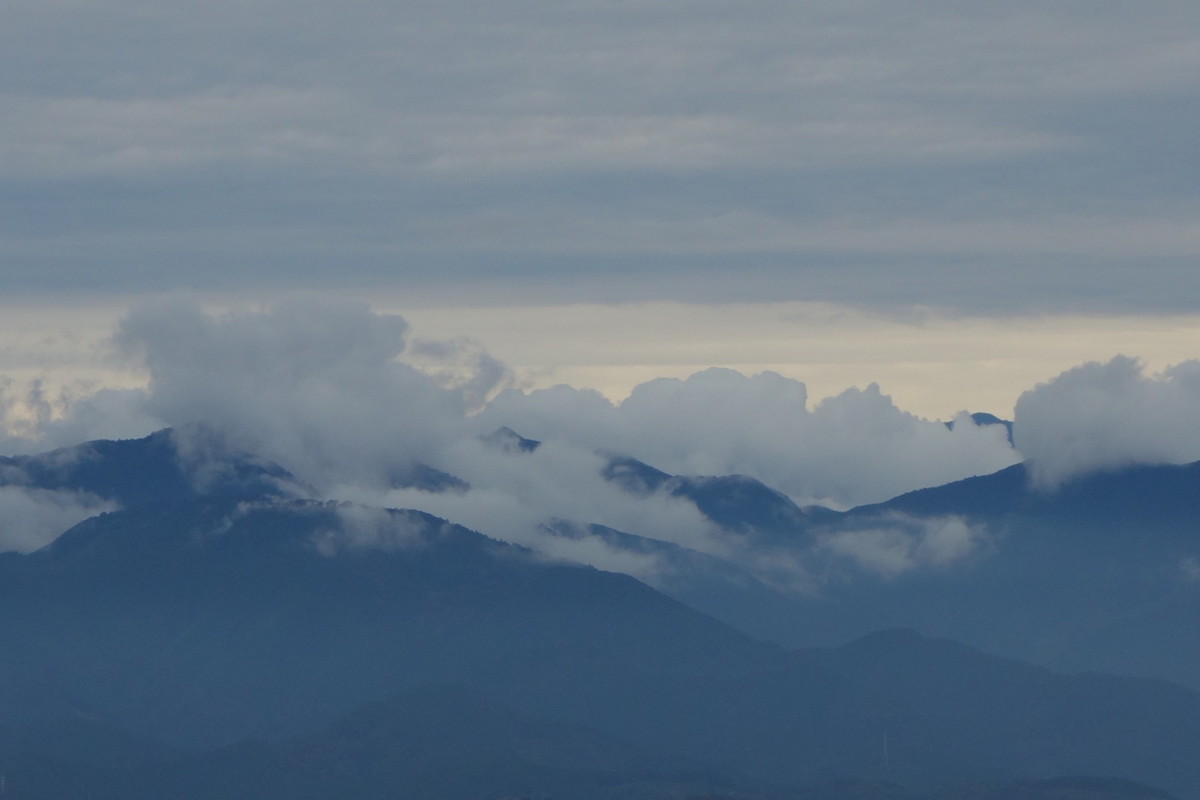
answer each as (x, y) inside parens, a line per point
(674, 400)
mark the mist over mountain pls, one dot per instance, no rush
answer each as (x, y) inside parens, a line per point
(341, 394)
(328, 390)
(232, 608)
(345, 536)
(589, 400)
(1099, 573)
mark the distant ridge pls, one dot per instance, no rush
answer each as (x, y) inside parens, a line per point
(239, 631)
(150, 470)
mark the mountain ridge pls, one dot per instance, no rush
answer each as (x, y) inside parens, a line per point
(213, 619)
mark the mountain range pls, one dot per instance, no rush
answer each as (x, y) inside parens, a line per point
(220, 632)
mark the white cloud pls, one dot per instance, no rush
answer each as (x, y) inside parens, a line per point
(1105, 416)
(316, 386)
(336, 393)
(320, 388)
(854, 448)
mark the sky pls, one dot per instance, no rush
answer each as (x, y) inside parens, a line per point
(1035, 157)
(947, 204)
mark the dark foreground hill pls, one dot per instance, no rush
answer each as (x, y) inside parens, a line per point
(442, 742)
(219, 639)
(209, 623)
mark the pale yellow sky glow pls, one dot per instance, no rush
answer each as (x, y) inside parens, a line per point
(931, 365)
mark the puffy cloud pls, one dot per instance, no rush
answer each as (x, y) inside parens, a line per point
(32, 518)
(322, 389)
(855, 448)
(339, 395)
(315, 385)
(1106, 416)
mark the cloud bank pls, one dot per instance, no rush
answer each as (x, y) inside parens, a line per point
(855, 448)
(349, 402)
(356, 408)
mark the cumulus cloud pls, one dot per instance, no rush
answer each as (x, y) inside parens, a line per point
(315, 385)
(1106, 416)
(339, 395)
(855, 448)
(32, 518)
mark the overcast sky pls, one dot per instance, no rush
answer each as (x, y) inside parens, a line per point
(949, 198)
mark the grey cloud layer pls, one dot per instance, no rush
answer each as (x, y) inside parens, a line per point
(537, 144)
(543, 85)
